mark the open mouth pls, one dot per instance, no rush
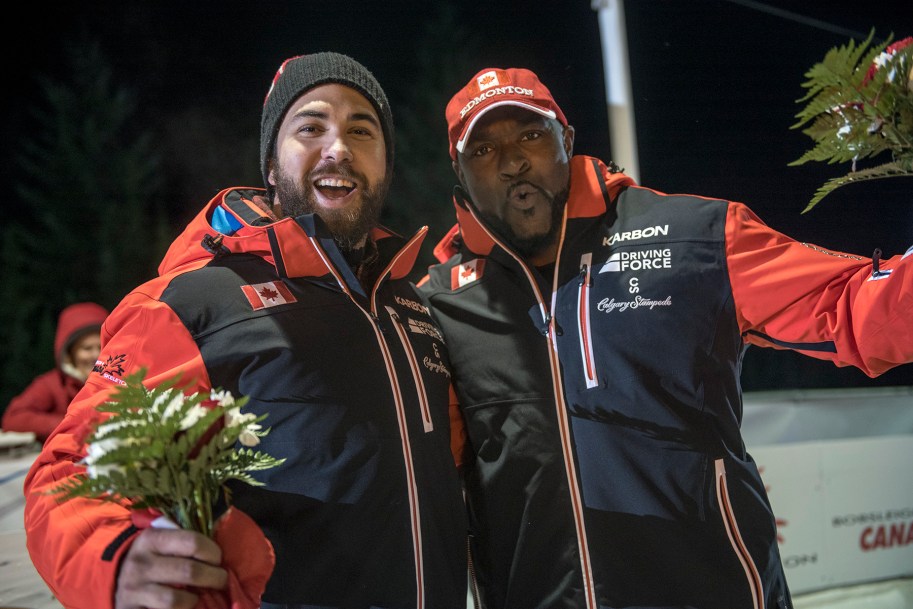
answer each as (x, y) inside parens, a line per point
(523, 194)
(334, 188)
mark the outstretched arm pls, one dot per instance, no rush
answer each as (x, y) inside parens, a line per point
(830, 305)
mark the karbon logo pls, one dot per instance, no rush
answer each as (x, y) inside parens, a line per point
(636, 235)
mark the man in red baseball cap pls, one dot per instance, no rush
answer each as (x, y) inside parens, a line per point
(596, 330)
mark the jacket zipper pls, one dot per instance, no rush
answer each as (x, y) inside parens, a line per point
(561, 410)
(411, 486)
(416, 371)
(473, 581)
(583, 321)
(735, 537)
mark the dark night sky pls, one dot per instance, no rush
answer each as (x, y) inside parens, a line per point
(715, 85)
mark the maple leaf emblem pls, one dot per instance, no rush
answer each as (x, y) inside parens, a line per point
(114, 365)
(268, 294)
(486, 80)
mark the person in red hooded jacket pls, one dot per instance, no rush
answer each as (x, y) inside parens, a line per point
(77, 342)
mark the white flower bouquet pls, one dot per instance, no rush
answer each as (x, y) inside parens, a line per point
(168, 452)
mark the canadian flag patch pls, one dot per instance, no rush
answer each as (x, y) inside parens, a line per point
(466, 273)
(488, 80)
(269, 294)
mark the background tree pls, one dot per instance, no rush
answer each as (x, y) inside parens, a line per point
(423, 176)
(87, 225)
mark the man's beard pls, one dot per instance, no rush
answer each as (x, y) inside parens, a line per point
(348, 225)
(532, 245)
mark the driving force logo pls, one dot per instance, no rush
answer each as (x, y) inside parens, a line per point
(638, 261)
(423, 327)
(635, 235)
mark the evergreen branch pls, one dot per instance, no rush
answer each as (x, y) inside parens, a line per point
(888, 170)
(859, 105)
(171, 452)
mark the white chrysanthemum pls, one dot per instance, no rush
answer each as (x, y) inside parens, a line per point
(234, 417)
(249, 438)
(224, 398)
(193, 415)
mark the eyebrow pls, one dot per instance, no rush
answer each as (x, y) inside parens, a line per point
(482, 132)
(355, 116)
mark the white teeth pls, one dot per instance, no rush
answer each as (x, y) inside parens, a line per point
(335, 183)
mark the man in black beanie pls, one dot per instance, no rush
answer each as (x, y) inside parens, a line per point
(296, 298)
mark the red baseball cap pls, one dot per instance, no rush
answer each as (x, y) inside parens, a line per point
(493, 87)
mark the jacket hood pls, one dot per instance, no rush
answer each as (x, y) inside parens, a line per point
(594, 188)
(237, 221)
(75, 321)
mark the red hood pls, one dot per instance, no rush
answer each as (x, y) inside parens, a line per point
(74, 321)
(299, 254)
(591, 181)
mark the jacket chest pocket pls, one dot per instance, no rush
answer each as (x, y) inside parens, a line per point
(623, 317)
(400, 328)
(424, 366)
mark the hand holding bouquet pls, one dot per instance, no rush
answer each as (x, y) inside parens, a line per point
(163, 453)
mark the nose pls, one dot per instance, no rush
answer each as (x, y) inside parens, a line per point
(513, 162)
(337, 148)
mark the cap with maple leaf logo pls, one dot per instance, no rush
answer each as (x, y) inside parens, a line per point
(491, 88)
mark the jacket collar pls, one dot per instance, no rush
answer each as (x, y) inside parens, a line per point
(233, 222)
(594, 188)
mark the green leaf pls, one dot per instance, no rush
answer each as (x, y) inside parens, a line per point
(162, 449)
(852, 115)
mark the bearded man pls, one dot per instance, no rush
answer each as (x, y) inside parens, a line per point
(298, 299)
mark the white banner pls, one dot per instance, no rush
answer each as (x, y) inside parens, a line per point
(844, 507)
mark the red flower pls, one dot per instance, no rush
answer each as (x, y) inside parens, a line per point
(884, 57)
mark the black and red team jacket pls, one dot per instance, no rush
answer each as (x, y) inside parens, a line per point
(603, 402)
(367, 510)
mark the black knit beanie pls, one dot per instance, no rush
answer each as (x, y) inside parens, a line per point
(298, 74)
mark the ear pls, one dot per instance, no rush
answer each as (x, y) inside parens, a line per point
(460, 176)
(568, 137)
(460, 192)
(271, 174)
(459, 173)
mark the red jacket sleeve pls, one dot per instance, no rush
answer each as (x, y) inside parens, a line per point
(829, 305)
(76, 545)
(41, 406)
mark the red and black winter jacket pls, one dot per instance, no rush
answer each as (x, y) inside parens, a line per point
(603, 403)
(367, 508)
